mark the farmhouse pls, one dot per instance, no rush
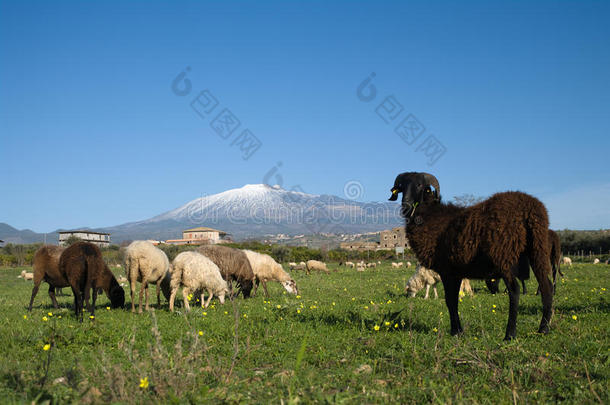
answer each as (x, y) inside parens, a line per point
(393, 238)
(200, 236)
(98, 238)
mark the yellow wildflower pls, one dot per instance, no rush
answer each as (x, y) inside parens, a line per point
(46, 347)
(387, 323)
(108, 308)
(435, 330)
(44, 319)
(200, 333)
(25, 317)
(574, 317)
(144, 382)
(376, 327)
(278, 306)
(50, 313)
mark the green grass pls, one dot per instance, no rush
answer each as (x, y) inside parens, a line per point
(321, 347)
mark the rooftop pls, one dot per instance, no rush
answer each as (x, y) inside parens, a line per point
(204, 229)
(84, 231)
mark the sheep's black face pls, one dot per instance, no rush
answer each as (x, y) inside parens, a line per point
(412, 186)
(117, 297)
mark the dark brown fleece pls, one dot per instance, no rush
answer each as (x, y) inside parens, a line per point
(84, 268)
(233, 265)
(46, 267)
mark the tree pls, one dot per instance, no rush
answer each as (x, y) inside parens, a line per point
(72, 240)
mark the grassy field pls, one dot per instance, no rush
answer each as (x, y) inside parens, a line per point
(349, 337)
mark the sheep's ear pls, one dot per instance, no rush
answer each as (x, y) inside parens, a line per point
(394, 195)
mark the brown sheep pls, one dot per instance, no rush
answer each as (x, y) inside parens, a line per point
(46, 267)
(84, 268)
(233, 265)
(485, 240)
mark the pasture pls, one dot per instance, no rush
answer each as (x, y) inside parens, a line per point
(349, 337)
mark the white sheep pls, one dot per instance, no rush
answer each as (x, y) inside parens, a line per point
(27, 276)
(266, 269)
(316, 265)
(424, 277)
(292, 265)
(146, 263)
(360, 268)
(396, 265)
(193, 271)
(566, 260)
(596, 261)
(408, 264)
(350, 264)
(372, 264)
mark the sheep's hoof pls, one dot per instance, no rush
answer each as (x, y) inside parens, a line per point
(508, 338)
(455, 332)
(544, 329)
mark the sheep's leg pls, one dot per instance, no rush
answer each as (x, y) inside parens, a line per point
(132, 287)
(209, 299)
(427, 291)
(146, 289)
(93, 298)
(256, 283)
(159, 293)
(172, 297)
(435, 292)
(34, 292)
(452, 293)
(141, 296)
(542, 267)
(524, 288)
(52, 295)
(185, 297)
(513, 297)
(265, 288)
(546, 294)
(76, 294)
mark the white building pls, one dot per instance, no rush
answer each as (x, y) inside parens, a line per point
(98, 238)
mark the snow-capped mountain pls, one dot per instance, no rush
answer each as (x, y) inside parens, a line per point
(255, 210)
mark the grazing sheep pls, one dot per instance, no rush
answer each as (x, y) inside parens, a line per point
(26, 275)
(350, 264)
(46, 267)
(481, 241)
(233, 265)
(146, 263)
(566, 260)
(302, 264)
(408, 264)
(84, 268)
(424, 277)
(316, 265)
(193, 271)
(395, 265)
(266, 269)
(360, 268)
(596, 261)
(300, 267)
(371, 265)
(292, 265)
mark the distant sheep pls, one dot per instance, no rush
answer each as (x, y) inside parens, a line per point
(46, 268)
(83, 266)
(424, 277)
(371, 264)
(350, 264)
(27, 276)
(408, 264)
(396, 265)
(596, 261)
(193, 271)
(292, 265)
(266, 269)
(316, 265)
(146, 263)
(566, 260)
(234, 266)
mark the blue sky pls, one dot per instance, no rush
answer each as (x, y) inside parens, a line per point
(91, 133)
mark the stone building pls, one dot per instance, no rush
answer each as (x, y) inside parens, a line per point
(393, 238)
(100, 239)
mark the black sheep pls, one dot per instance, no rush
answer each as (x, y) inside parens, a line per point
(485, 240)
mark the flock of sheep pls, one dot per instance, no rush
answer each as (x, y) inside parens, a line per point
(210, 269)
(498, 238)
